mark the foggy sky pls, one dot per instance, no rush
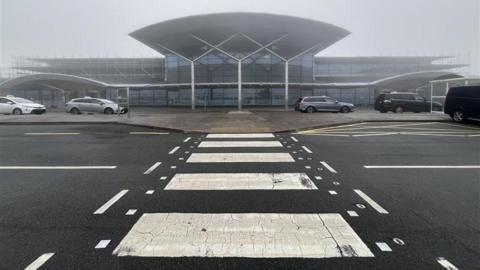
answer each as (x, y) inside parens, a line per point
(99, 28)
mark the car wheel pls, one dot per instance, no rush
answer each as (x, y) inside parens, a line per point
(458, 116)
(399, 109)
(108, 111)
(75, 111)
(344, 109)
(17, 111)
(310, 109)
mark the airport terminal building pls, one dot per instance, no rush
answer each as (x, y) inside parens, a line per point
(228, 59)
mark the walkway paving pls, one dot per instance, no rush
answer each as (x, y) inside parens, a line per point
(223, 120)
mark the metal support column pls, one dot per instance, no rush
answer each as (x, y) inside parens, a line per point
(239, 85)
(193, 84)
(431, 97)
(286, 85)
(128, 102)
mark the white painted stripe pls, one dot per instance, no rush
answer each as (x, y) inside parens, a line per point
(318, 177)
(307, 150)
(187, 139)
(39, 261)
(131, 212)
(383, 246)
(474, 135)
(113, 200)
(173, 167)
(239, 157)
(210, 144)
(375, 134)
(149, 133)
(329, 135)
(150, 192)
(57, 167)
(446, 264)
(325, 164)
(332, 192)
(294, 139)
(253, 235)
(241, 181)
(52, 134)
(154, 166)
(424, 167)
(352, 213)
(240, 135)
(431, 134)
(371, 202)
(163, 178)
(174, 150)
(102, 244)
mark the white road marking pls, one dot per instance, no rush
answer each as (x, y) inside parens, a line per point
(163, 178)
(113, 200)
(308, 167)
(131, 212)
(150, 192)
(352, 213)
(52, 134)
(173, 167)
(250, 235)
(325, 164)
(210, 144)
(241, 181)
(174, 150)
(300, 158)
(102, 244)
(332, 192)
(446, 264)
(306, 149)
(474, 135)
(383, 246)
(149, 133)
(424, 167)
(294, 139)
(375, 134)
(329, 135)
(57, 167)
(187, 139)
(239, 157)
(240, 135)
(371, 202)
(181, 158)
(154, 166)
(318, 177)
(431, 134)
(39, 261)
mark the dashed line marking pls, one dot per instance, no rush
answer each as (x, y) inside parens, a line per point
(318, 177)
(52, 134)
(371, 202)
(352, 213)
(325, 164)
(446, 264)
(308, 167)
(187, 139)
(173, 167)
(39, 261)
(149, 133)
(154, 166)
(375, 134)
(57, 167)
(149, 192)
(174, 150)
(108, 204)
(131, 212)
(307, 150)
(163, 178)
(293, 139)
(383, 246)
(102, 244)
(332, 192)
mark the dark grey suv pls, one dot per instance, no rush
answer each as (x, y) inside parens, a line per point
(323, 104)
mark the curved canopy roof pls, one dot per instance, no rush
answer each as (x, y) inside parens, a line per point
(193, 36)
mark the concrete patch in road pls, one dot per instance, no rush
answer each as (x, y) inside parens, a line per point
(242, 235)
(241, 181)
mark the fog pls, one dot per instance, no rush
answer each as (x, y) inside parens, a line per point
(93, 28)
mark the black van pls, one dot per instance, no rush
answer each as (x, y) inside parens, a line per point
(404, 102)
(463, 102)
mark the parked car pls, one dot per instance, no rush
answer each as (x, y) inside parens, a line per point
(463, 102)
(323, 104)
(404, 102)
(89, 104)
(17, 106)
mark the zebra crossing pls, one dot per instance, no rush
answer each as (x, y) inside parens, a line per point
(249, 235)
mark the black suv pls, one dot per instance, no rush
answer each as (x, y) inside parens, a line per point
(463, 102)
(404, 102)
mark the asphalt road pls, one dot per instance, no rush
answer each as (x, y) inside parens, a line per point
(427, 216)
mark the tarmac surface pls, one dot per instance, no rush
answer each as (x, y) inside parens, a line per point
(78, 196)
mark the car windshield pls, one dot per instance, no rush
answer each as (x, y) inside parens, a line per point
(21, 100)
(106, 101)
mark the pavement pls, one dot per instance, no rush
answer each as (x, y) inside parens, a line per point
(360, 196)
(222, 119)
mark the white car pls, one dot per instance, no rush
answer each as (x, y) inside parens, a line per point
(17, 106)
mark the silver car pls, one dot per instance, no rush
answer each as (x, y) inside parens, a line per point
(89, 104)
(323, 104)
